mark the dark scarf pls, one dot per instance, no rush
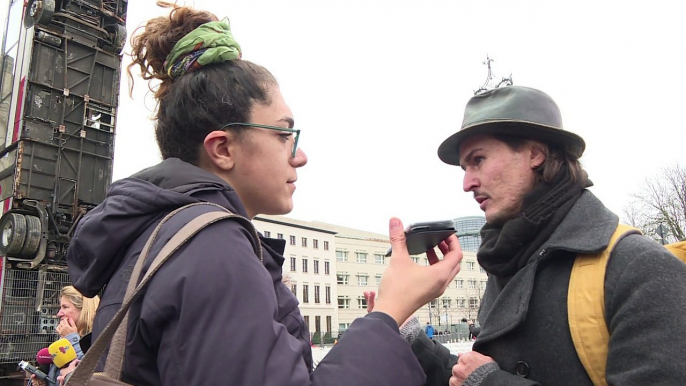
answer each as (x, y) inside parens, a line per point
(507, 249)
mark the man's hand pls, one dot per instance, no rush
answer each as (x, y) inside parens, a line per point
(466, 364)
(370, 296)
(66, 327)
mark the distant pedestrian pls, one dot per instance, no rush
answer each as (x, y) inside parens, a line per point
(429, 330)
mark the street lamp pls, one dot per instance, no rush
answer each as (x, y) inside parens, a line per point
(661, 230)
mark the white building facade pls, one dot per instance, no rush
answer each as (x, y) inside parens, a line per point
(309, 270)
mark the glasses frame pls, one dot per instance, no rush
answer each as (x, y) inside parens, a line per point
(294, 131)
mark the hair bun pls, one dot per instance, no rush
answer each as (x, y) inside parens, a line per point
(153, 41)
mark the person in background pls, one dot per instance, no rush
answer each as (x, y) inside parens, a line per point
(429, 330)
(227, 137)
(76, 315)
(473, 330)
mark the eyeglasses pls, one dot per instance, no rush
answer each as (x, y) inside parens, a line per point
(294, 131)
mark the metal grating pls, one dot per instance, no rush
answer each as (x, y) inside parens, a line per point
(28, 317)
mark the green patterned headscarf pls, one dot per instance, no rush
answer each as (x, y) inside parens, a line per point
(210, 43)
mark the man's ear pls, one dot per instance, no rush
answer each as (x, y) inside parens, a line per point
(219, 150)
(539, 153)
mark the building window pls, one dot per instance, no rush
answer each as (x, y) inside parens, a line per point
(362, 279)
(341, 255)
(294, 289)
(343, 302)
(342, 279)
(378, 279)
(473, 303)
(279, 236)
(361, 302)
(379, 259)
(472, 284)
(315, 244)
(461, 303)
(293, 259)
(306, 293)
(316, 294)
(292, 240)
(343, 326)
(470, 266)
(434, 303)
(481, 269)
(327, 268)
(307, 320)
(361, 257)
(447, 303)
(459, 284)
(304, 265)
(328, 324)
(415, 259)
(317, 323)
(326, 245)
(315, 266)
(267, 234)
(304, 242)
(327, 294)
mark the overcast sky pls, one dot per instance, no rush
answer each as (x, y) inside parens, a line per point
(376, 86)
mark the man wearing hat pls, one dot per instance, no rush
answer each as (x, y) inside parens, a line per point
(523, 169)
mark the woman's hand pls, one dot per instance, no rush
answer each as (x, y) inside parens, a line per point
(406, 286)
(66, 370)
(67, 326)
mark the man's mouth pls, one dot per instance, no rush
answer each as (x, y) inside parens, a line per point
(481, 200)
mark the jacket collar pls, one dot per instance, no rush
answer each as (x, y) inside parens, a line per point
(586, 229)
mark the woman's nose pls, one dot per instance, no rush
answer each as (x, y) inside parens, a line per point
(300, 158)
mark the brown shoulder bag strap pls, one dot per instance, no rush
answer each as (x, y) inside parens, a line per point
(116, 330)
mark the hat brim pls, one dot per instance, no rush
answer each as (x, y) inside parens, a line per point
(449, 151)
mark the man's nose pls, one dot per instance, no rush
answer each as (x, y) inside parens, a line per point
(470, 182)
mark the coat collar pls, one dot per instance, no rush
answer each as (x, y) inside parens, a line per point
(586, 228)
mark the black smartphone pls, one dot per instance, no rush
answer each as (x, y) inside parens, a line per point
(423, 236)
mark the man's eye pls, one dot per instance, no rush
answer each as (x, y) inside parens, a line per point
(286, 137)
(478, 160)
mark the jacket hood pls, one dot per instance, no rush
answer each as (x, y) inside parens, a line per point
(132, 205)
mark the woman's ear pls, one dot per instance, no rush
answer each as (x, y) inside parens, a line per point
(219, 150)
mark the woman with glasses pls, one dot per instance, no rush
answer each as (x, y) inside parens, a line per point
(216, 312)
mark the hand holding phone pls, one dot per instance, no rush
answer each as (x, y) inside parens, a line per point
(26, 366)
(423, 236)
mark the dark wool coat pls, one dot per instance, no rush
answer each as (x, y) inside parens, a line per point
(525, 326)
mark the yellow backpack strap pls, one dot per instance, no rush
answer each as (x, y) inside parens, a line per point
(678, 250)
(586, 307)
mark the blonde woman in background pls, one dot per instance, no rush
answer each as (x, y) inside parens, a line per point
(76, 316)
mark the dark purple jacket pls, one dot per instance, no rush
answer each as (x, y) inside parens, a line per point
(214, 314)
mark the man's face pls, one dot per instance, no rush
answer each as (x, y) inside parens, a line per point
(498, 176)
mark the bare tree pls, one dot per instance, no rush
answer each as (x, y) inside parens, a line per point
(659, 208)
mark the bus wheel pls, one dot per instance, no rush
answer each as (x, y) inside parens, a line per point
(33, 236)
(39, 12)
(13, 227)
